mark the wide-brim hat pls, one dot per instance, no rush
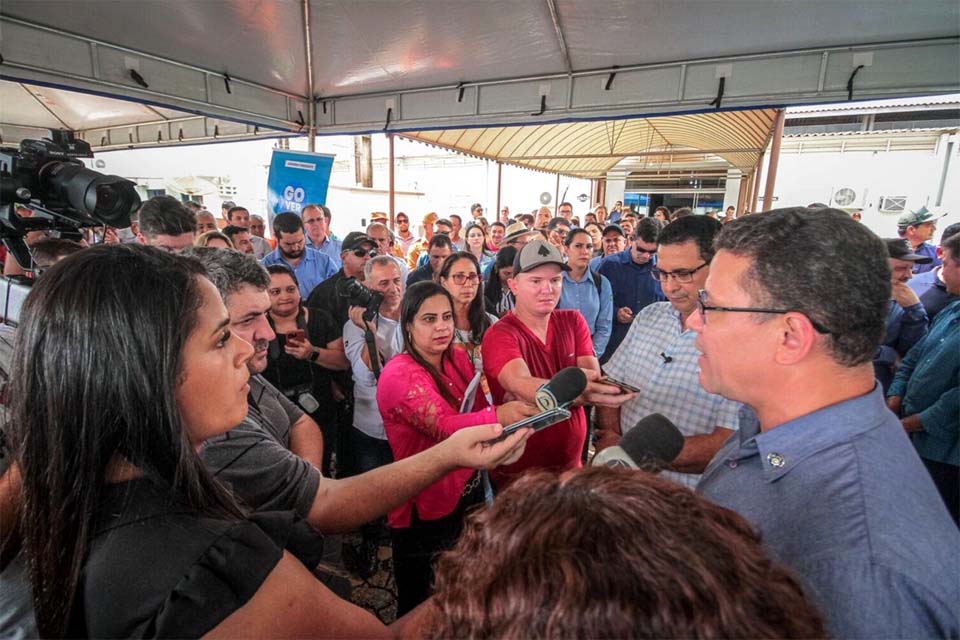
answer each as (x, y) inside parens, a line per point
(517, 230)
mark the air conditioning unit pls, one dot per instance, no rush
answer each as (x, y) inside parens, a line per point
(844, 197)
(893, 204)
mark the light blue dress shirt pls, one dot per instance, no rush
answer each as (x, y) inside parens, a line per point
(313, 268)
(841, 498)
(596, 307)
(331, 248)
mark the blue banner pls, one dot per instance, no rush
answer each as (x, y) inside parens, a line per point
(297, 178)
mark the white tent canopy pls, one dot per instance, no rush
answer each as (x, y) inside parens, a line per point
(428, 64)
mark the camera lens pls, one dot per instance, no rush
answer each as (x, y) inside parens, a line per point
(109, 199)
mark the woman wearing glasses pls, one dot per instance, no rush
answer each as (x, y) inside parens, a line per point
(424, 395)
(460, 276)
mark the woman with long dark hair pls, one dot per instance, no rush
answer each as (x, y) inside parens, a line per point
(424, 395)
(124, 365)
(460, 276)
(498, 297)
(475, 243)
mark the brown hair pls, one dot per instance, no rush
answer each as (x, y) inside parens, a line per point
(605, 553)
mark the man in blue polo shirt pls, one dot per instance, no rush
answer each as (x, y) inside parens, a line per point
(629, 273)
(821, 467)
(311, 266)
(316, 224)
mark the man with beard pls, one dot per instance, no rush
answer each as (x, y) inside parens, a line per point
(310, 266)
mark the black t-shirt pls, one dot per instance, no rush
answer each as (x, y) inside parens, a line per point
(156, 568)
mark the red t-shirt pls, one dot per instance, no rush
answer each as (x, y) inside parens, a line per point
(557, 447)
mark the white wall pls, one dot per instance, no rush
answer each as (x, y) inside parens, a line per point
(814, 177)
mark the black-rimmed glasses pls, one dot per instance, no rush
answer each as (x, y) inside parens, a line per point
(704, 307)
(683, 276)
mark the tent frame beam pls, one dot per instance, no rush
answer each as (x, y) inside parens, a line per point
(806, 76)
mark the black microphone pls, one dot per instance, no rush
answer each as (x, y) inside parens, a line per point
(666, 359)
(562, 389)
(651, 445)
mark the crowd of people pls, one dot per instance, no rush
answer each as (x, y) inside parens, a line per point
(197, 410)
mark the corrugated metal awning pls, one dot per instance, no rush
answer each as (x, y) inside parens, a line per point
(591, 149)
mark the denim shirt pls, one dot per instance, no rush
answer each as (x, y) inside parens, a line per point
(841, 497)
(596, 307)
(905, 327)
(927, 380)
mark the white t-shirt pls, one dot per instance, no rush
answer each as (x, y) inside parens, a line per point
(366, 414)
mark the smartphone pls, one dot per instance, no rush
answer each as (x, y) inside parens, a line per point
(296, 336)
(620, 383)
(537, 422)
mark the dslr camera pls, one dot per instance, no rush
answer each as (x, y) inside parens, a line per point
(359, 296)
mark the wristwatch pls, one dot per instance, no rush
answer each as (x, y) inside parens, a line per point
(314, 356)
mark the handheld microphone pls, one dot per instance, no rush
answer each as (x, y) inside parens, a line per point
(562, 389)
(650, 446)
(552, 398)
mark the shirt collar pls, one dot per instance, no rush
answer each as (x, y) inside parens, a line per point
(782, 448)
(586, 276)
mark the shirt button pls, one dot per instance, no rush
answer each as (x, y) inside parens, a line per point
(732, 464)
(776, 460)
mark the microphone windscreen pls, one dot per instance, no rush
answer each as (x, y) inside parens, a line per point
(653, 437)
(562, 389)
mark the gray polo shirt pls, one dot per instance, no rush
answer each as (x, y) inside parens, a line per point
(255, 458)
(840, 496)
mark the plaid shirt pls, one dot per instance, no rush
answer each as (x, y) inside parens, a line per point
(670, 388)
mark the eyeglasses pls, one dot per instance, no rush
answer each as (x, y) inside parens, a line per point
(365, 252)
(461, 278)
(683, 276)
(704, 307)
(402, 221)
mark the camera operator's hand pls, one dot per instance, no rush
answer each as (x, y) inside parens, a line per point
(299, 349)
(474, 448)
(110, 236)
(515, 411)
(356, 316)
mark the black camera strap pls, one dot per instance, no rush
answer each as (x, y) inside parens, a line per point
(371, 339)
